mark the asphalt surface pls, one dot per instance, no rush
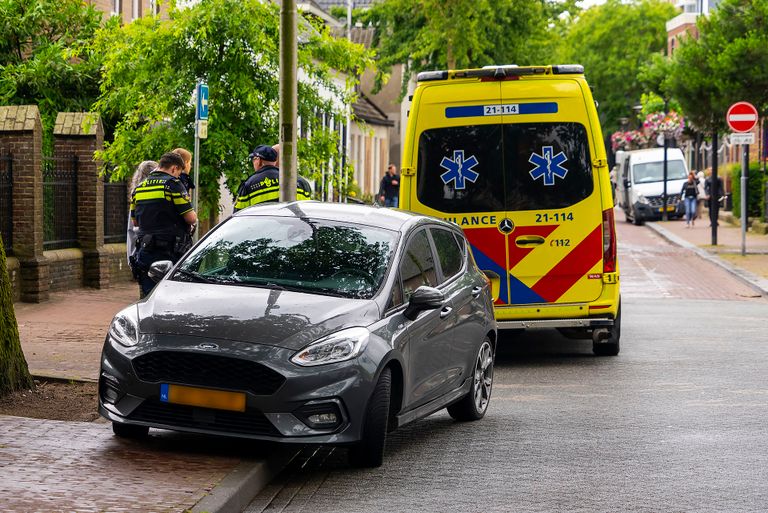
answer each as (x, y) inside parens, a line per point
(676, 422)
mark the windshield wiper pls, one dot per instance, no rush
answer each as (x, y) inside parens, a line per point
(195, 276)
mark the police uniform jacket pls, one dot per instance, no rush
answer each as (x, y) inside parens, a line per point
(263, 186)
(158, 205)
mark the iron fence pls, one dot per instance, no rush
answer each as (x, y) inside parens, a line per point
(6, 201)
(115, 210)
(59, 202)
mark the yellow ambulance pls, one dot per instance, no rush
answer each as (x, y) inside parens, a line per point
(515, 156)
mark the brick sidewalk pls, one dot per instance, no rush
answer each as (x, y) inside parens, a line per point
(753, 267)
(62, 337)
(48, 465)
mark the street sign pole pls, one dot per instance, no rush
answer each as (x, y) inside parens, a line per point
(664, 215)
(742, 117)
(714, 190)
(201, 132)
(744, 185)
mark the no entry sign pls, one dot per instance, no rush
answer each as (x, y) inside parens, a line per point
(741, 117)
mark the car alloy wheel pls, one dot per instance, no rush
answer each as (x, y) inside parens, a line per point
(474, 405)
(483, 379)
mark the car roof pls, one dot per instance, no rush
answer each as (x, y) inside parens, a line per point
(387, 218)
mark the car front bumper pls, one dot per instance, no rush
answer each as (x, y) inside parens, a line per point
(128, 395)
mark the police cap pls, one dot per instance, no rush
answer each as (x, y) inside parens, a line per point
(264, 152)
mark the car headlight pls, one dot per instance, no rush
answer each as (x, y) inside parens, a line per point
(338, 347)
(642, 199)
(125, 327)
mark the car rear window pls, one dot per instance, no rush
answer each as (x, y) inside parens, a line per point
(491, 168)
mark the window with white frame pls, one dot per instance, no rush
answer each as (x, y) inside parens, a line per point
(136, 11)
(117, 7)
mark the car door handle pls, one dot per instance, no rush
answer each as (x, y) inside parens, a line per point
(445, 312)
(529, 240)
(476, 291)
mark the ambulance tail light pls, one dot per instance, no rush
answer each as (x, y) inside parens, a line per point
(609, 242)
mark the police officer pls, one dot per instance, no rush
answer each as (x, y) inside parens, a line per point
(263, 185)
(161, 208)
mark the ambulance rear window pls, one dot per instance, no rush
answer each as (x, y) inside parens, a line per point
(490, 168)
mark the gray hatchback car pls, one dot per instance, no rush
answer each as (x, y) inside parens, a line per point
(306, 322)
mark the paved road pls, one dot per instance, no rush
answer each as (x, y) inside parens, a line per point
(674, 423)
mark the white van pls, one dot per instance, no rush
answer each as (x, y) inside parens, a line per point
(640, 183)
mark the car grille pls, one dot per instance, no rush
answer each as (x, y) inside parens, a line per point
(658, 201)
(247, 423)
(207, 370)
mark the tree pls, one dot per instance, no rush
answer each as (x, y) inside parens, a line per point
(14, 373)
(46, 58)
(233, 46)
(456, 34)
(612, 41)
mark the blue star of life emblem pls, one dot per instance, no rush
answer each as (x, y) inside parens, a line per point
(547, 165)
(459, 169)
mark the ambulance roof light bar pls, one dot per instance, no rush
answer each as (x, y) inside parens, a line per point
(501, 72)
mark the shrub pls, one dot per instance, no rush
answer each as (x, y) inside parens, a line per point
(755, 190)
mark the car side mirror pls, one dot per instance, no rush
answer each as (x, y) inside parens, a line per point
(627, 185)
(423, 298)
(495, 281)
(159, 269)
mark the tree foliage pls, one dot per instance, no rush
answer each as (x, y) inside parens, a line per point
(612, 41)
(14, 373)
(726, 64)
(456, 34)
(46, 56)
(233, 46)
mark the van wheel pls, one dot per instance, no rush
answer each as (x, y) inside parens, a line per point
(609, 346)
(474, 405)
(131, 431)
(636, 218)
(369, 451)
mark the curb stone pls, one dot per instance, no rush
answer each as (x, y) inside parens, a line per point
(757, 283)
(239, 487)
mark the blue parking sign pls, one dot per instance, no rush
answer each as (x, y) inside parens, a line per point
(202, 101)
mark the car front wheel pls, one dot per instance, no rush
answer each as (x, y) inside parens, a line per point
(369, 452)
(474, 405)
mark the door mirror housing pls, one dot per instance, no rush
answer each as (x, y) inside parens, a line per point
(423, 298)
(159, 269)
(627, 185)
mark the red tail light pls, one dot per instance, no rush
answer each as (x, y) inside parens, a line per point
(609, 242)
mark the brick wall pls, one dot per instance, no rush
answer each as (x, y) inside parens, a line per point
(66, 266)
(21, 135)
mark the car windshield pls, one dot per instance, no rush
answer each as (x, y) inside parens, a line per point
(648, 172)
(291, 253)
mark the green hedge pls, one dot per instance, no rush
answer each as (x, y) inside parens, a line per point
(755, 192)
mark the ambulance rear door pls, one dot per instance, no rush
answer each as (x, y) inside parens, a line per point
(553, 218)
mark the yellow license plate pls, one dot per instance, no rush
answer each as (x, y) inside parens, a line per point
(203, 397)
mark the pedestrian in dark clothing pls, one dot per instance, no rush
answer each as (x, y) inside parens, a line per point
(263, 186)
(162, 210)
(389, 189)
(689, 193)
(714, 193)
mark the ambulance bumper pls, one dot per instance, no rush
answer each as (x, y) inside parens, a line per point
(592, 322)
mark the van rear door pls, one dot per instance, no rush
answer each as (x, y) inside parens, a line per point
(553, 201)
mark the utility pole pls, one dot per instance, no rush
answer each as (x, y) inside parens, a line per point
(714, 190)
(664, 215)
(288, 99)
(347, 129)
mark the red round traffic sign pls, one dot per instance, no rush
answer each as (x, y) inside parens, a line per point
(741, 117)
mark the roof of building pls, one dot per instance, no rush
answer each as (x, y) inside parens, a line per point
(366, 110)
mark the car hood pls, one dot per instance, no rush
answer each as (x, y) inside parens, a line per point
(248, 314)
(657, 188)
